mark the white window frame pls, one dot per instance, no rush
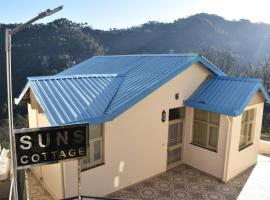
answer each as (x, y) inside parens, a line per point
(248, 123)
(91, 162)
(209, 125)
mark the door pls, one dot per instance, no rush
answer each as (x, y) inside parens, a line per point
(175, 137)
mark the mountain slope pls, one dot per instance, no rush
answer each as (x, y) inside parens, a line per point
(44, 49)
(249, 41)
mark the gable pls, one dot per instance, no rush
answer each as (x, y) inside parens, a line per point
(257, 98)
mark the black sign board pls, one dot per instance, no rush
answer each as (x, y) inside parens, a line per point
(50, 144)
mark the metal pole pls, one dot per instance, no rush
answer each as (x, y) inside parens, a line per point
(79, 179)
(8, 35)
(10, 113)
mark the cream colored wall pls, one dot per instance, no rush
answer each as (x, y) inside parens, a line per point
(136, 141)
(36, 115)
(50, 175)
(264, 147)
(208, 161)
(240, 160)
(258, 98)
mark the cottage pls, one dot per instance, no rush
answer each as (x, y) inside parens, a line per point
(148, 113)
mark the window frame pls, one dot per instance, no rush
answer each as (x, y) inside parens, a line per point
(209, 125)
(247, 123)
(90, 156)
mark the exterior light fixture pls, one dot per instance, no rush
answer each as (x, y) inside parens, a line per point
(176, 96)
(163, 116)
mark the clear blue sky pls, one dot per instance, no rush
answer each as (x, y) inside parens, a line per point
(105, 14)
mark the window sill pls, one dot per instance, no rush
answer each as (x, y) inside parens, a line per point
(204, 147)
(244, 147)
(92, 167)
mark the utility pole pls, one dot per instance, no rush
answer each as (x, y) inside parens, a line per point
(8, 35)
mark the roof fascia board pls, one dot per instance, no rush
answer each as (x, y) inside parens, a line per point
(22, 95)
(265, 93)
(211, 66)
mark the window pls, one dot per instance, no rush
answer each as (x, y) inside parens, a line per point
(247, 125)
(95, 156)
(205, 129)
(176, 113)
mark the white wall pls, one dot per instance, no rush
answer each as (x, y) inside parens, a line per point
(136, 141)
(241, 160)
(208, 161)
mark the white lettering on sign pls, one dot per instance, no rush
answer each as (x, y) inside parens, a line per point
(40, 141)
(61, 154)
(26, 144)
(64, 138)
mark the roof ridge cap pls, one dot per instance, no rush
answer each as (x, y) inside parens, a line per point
(152, 55)
(237, 78)
(54, 77)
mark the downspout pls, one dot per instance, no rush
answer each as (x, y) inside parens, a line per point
(227, 150)
(63, 180)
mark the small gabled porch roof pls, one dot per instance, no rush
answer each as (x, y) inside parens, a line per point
(226, 95)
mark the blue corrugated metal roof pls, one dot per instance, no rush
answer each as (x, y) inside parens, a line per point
(226, 95)
(140, 75)
(123, 64)
(67, 99)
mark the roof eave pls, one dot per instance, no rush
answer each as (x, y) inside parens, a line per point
(21, 97)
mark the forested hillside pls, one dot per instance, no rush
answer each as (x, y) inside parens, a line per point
(44, 49)
(249, 41)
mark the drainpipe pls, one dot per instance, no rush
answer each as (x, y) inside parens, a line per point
(227, 150)
(63, 180)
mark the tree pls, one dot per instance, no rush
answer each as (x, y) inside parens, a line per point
(224, 59)
(265, 72)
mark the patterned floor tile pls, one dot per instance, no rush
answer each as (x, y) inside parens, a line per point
(185, 183)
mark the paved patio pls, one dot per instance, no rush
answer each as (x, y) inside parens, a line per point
(180, 183)
(184, 183)
(36, 191)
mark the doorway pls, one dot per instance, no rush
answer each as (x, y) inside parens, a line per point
(175, 137)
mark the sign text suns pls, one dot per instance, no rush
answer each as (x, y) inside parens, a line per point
(50, 144)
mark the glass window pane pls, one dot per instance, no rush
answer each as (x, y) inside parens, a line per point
(242, 137)
(174, 155)
(251, 115)
(174, 134)
(86, 160)
(97, 150)
(201, 115)
(199, 133)
(95, 131)
(180, 132)
(249, 132)
(244, 116)
(214, 118)
(176, 113)
(213, 136)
